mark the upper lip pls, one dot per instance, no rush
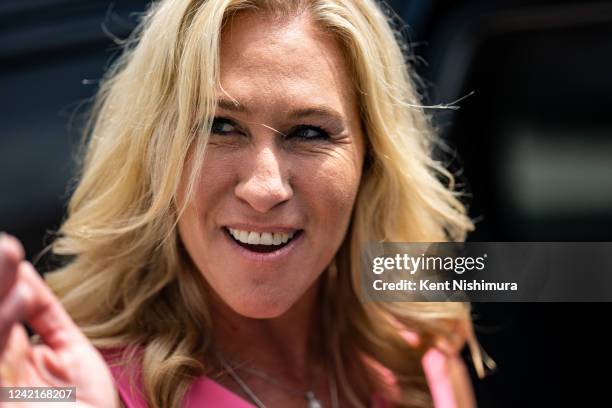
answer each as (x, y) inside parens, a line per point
(262, 228)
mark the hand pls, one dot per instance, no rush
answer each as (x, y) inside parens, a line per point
(65, 357)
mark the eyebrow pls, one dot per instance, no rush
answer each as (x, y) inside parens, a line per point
(321, 110)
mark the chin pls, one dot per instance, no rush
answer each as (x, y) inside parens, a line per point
(260, 307)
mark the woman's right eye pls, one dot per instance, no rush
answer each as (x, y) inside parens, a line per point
(223, 126)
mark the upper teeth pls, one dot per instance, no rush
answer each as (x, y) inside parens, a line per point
(261, 238)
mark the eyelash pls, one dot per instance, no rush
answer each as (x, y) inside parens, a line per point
(323, 134)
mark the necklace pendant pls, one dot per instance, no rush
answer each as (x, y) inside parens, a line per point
(312, 401)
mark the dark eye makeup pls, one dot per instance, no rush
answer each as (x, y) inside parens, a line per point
(225, 126)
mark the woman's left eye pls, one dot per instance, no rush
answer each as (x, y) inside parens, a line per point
(308, 133)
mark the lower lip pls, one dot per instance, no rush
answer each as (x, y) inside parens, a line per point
(265, 257)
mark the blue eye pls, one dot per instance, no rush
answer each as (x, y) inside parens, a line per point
(222, 126)
(308, 132)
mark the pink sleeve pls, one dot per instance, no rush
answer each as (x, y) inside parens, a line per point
(435, 365)
(437, 373)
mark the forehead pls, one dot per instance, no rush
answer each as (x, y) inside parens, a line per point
(266, 55)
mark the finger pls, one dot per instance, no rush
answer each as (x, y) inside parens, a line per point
(13, 364)
(11, 253)
(11, 312)
(49, 365)
(43, 311)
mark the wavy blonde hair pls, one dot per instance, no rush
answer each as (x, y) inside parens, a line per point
(129, 283)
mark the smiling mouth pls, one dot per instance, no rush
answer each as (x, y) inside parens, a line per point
(261, 242)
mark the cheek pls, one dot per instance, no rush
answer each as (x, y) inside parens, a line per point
(213, 182)
(330, 187)
(217, 176)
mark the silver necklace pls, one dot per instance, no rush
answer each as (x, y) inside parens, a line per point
(309, 396)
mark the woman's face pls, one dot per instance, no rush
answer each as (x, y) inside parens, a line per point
(282, 167)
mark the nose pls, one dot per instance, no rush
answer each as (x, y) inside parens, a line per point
(263, 185)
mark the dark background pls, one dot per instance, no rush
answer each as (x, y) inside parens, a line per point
(532, 145)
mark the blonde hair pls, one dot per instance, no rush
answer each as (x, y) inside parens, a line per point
(129, 283)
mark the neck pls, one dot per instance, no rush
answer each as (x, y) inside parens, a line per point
(288, 344)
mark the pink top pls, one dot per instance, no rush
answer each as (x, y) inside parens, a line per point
(205, 392)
